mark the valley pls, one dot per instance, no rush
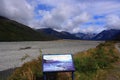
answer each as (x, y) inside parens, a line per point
(14, 54)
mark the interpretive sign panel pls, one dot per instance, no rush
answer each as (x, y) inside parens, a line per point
(58, 63)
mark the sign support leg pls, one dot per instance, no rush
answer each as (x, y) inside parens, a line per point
(44, 75)
(72, 75)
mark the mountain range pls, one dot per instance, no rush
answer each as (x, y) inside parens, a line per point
(11, 30)
(85, 36)
(111, 34)
(59, 35)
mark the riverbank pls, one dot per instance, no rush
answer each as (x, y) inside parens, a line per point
(6, 73)
(100, 63)
(12, 53)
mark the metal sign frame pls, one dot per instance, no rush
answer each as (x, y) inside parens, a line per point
(69, 70)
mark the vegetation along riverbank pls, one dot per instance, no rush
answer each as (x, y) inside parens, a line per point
(100, 63)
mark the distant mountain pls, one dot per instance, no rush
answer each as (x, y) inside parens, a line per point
(111, 34)
(59, 35)
(67, 35)
(85, 36)
(1, 17)
(117, 36)
(13, 31)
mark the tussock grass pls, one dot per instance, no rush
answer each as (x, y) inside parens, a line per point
(94, 64)
(100, 63)
(29, 71)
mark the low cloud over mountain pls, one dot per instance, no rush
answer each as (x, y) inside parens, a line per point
(64, 15)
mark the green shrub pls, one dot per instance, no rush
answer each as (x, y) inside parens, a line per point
(85, 65)
(89, 65)
(29, 71)
(90, 62)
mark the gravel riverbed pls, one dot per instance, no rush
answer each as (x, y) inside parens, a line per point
(13, 53)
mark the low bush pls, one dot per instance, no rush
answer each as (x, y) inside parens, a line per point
(89, 62)
(29, 71)
(89, 65)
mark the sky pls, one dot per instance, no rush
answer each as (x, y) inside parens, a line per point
(58, 57)
(86, 16)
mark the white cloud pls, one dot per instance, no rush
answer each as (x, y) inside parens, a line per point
(68, 15)
(113, 22)
(83, 17)
(18, 10)
(64, 17)
(71, 15)
(43, 12)
(73, 24)
(106, 7)
(90, 29)
(57, 17)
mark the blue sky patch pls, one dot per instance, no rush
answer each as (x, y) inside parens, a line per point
(44, 7)
(41, 7)
(100, 23)
(98, 16)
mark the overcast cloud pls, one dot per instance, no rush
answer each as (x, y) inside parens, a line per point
(68, 15)
(19, 10)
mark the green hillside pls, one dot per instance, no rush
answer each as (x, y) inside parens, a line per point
(13, 31)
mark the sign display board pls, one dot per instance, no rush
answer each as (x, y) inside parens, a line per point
(58, 63)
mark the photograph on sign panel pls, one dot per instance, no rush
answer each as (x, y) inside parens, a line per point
(57, 63)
